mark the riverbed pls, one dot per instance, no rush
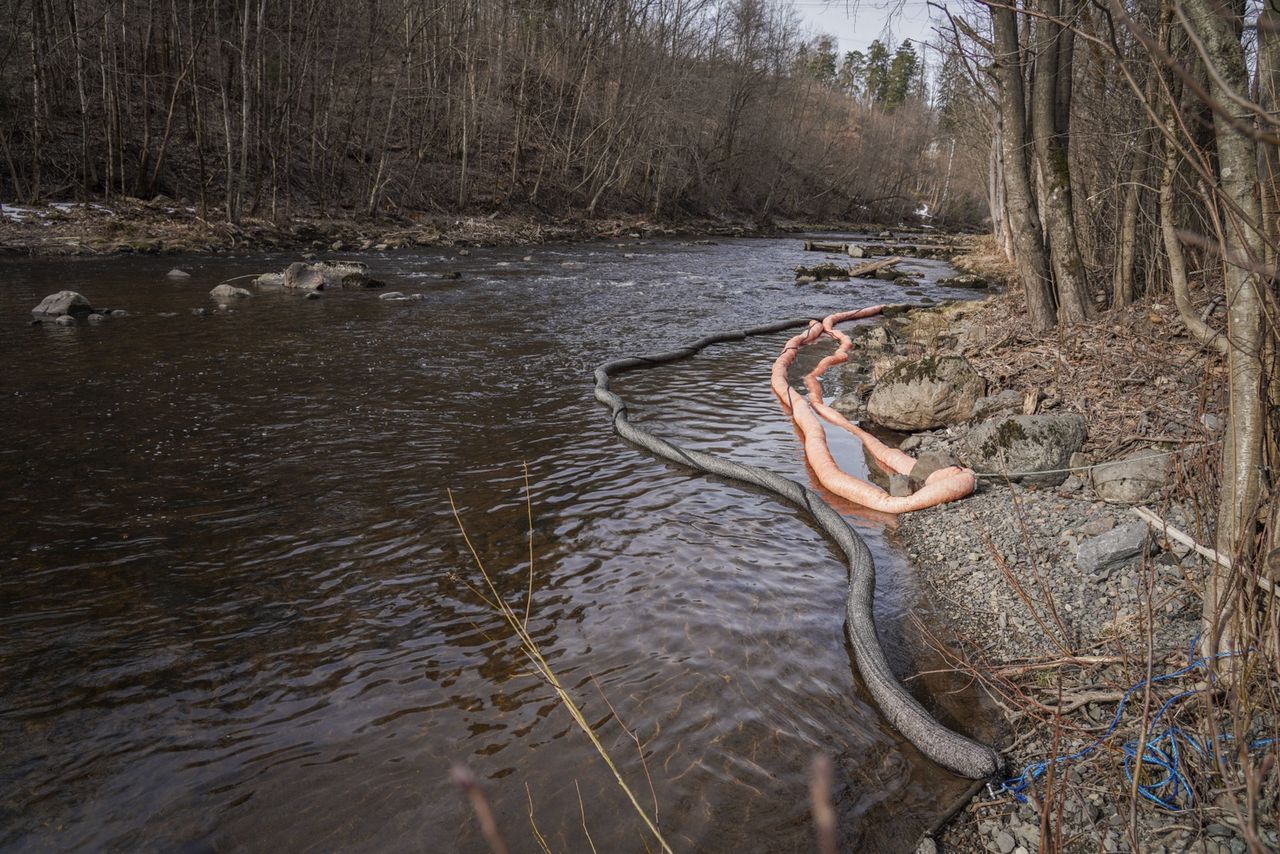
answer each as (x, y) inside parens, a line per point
(236, 611)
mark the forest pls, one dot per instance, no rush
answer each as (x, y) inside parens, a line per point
(668, 108)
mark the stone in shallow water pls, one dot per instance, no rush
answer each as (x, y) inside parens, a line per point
(223, 292)
(62, 303)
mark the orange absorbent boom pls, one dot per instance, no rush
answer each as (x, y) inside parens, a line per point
(943, 485)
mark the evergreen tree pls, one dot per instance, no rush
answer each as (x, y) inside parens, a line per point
(820, 59)
(955, 94)
(903, 78)
(853, 74)
(877, 74)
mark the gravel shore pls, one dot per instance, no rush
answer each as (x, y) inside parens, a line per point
(1058, 602)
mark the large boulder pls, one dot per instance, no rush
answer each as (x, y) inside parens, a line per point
(227, 292)
(1029, 448)
(1132, 479)
(927, 393)
(61, 304)
(318, 275)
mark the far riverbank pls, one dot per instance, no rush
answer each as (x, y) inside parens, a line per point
(161, 225)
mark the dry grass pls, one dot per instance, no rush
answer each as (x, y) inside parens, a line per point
(519, 625)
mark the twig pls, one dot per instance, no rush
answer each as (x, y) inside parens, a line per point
(537, 834)
(1078, 700)
(583, 810)
(1079, 660)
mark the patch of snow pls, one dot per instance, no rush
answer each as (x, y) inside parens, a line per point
(16, 213)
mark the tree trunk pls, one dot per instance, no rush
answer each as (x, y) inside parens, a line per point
(1124, 288)
(1030, 259)
(1173, 252)
(1242, 450)
(1269, 100)
(1050, 102)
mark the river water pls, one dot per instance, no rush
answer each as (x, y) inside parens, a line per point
(236, 612)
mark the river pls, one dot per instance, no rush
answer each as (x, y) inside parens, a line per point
(236, 612)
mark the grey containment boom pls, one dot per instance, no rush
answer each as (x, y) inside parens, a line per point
(950, 749)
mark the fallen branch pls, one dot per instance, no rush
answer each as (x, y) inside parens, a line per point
(1208, 554)
(864, 270)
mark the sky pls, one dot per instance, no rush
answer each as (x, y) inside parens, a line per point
(856, 23)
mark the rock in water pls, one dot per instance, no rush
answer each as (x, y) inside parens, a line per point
(61, 304)
(1118, 546)
(269, 282)
(1029, 448)
(926, 393)
(318, 275)
(392, 296)
(224, 292)
(177, 273)
(1134, 478)
(65, 320)
(928, 463)
(899, 485)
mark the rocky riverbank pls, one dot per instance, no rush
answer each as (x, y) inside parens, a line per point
(1058, 596)
(161, 225)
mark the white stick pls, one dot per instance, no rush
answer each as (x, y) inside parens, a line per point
(1209, 554)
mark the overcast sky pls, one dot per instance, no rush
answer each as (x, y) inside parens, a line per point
(856, 23)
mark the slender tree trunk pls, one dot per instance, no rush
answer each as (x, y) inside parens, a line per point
(1242, 450)
(1269, 100)
(1050, 103)
(37, 105)
(1029, 251)
(1123, 284)
(1173, 252)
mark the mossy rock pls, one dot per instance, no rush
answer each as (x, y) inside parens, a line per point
(1029, 448)
(822, 272)
(924, 394)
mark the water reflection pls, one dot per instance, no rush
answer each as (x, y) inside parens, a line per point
(234, 605)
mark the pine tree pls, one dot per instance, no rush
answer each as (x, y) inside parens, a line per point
(853, 74)
(901, 80)
(877, 75)
(820, 59)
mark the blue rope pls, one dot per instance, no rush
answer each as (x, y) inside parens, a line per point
(1165, 750)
